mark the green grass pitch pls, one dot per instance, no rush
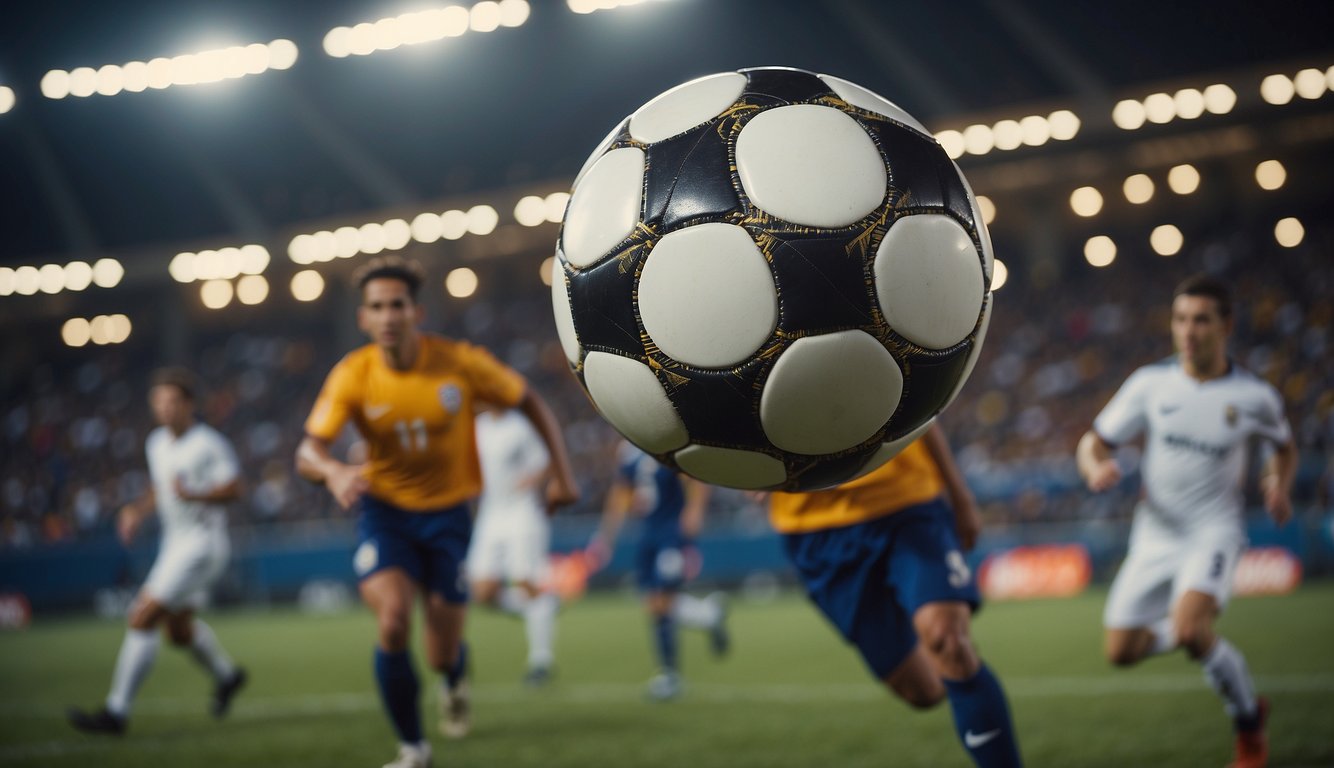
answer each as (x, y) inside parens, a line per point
(790, 694)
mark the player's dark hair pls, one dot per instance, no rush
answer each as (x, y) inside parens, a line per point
(1210, 288)
(394, 267)
(175, 376)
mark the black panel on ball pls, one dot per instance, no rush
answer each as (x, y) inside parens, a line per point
(920, 169)
(776, 86)
(601, 300)
(687, 179)
(718, 406)
(928, 382)
(821, 286)
(810, 474)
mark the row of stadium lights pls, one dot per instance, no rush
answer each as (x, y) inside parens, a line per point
(28, 280)
(1182, 179)
(213, 66)
(590, 6)
(1005, 135)
(1218, 99)
(423, 27)
(103, 329)
(1166, 240)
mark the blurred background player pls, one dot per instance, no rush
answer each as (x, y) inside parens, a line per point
(1198, 410)
(672, 507)
(411, 397)
(882, 557)
(508, 556)
(194, 474)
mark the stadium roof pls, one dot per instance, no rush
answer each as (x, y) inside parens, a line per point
(251, 159)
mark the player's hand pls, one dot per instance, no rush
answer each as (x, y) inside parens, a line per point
(598, 553)
(1277, 503)
(1106, 474)
(182, 492)
(347, 483)
(967, 522)
(128, 522)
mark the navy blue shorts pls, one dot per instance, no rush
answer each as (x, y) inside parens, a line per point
(870, 578)
(428, 546)
(660, 562)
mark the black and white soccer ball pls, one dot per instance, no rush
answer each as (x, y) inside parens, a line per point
(771, 279)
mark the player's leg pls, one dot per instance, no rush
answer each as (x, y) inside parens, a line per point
(189, 632)
(916, 681)
(539, 621)
(666, 683)
(389, 594)
(1136, 620)
(138, 652)
(447, 654)
(708, 614)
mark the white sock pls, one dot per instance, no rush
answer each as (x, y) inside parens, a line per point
(696, 612)
(513, 600)
(1164, 637)
(1225, 669)
(209, 652)
(539, 621)
(137, 652)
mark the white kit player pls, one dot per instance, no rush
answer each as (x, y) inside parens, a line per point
(508, 556)
(1198, 412)
(194, 473)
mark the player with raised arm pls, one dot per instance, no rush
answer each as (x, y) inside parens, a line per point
(672, 507)
(411, 396)
(194, 473)
(882, 557)
(1198, 411)
(511, 538)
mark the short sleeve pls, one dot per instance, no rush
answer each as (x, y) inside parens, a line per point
(1271, 423)
(1126, 415)
(225, 467)
(338, 397)
(492, 380)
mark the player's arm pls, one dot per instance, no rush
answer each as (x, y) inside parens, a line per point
(967, 522)
(133, 515)
(316, 463)
(1097, 465)
(1276, 482)
(697, 501)
(562, 489)
(615, 508)
(228, 491)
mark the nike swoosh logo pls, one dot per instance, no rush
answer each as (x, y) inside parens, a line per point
(374, 412)
(975, 740)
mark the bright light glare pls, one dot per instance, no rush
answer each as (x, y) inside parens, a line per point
(999, 274)
(1064, 124)
(51, 278)
(1189, 103)
(1219, 99)
(556, 204)
(1277, 89)
(426, 227)
(423, 27)
(182, 267)
(1159, 108)
(107, 273)
(530, 211)
(252, 289)
(978, 139)
(1086, 201)
(6, 99)
(1270, 174)
(78, 275)
(76, 332)
(482, 219)
(6, 281)
(1100, 250)
(1166, 240)
(1036, 130)
(987, 208)
(307, 285)
(1138, 189)
(1309, 83)
(952, 142)
(1183, 179)
(544, 269)
(461, 283)
(1128, 114)
(1007, 134)
(211, 66)
(1289, 232)
(215, 294)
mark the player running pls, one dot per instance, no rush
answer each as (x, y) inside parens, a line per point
(882, 557)
(673, 512)
(411, 395)
(1198, 411)
(194, 474)
(507, 560)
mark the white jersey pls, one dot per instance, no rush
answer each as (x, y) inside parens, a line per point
(1197, 433)
(513, 456)
(202, 460)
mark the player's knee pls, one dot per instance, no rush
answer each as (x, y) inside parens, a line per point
(951, 650)
(1121, 655)
(922, 696)
(1196, 638)
(180, 635)
(394, 626)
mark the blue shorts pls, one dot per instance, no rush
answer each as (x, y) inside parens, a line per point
(660, 561)
(429, 546)
(870, 578)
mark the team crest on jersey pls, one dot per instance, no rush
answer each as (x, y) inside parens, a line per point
(1230, 415)
(451, 398)
(366, 558)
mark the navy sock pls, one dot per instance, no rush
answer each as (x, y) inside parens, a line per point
(455, 673)
(982, 720)
(664, 642)
(398, 690)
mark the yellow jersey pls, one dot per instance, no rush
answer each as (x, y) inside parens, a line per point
(906, 480)
(418, 423)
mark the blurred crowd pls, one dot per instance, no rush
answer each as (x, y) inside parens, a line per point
(1061, 341)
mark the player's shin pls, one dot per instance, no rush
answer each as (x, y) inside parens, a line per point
(982, 720)
(540, 627)
(399, 690)
(1226, 670)
(137, 654)
(209, 652)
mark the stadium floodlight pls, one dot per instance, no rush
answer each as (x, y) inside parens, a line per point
(348, 241)
(1037, 130)
(101, 330)
(978, 139)
(1270, 175)
(590, 6)
(6, 281)
(1128, 114)
(545, 268)
(556, 205)
(453, 224)
(27, 280)
(254, 259)
(461, 282)
(252, 289)
(371, 237)
(120, 328)
(107, 273)
(215, 294)
(1159, 108)
(182, 267)
(51, 278)
(482, 219)
(987, 208)
(1064, 124)
(78, 275)
(1309, 83)
(6, 99)
(426, 227)
(1289, 232)
(426, 26)
(530, 211)
(1166, 240)
(1100, 250)
(952, 142)
(1189, 103)
(1183, 179)
(1007, 135)
(1277, 89)
(1219, 99)
(397, 234)
(211, 66)
(999, 274)
(76, 332)
(1086, 201)
(307, 285)
(1138, 189)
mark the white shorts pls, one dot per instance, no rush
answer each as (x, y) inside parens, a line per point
(509, 553)
(187, 567)
(1163, 564)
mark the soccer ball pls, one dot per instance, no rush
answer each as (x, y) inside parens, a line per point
(771, 279)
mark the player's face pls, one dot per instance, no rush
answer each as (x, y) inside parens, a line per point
(387, 314)
(169, 404)
(1198, 330)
